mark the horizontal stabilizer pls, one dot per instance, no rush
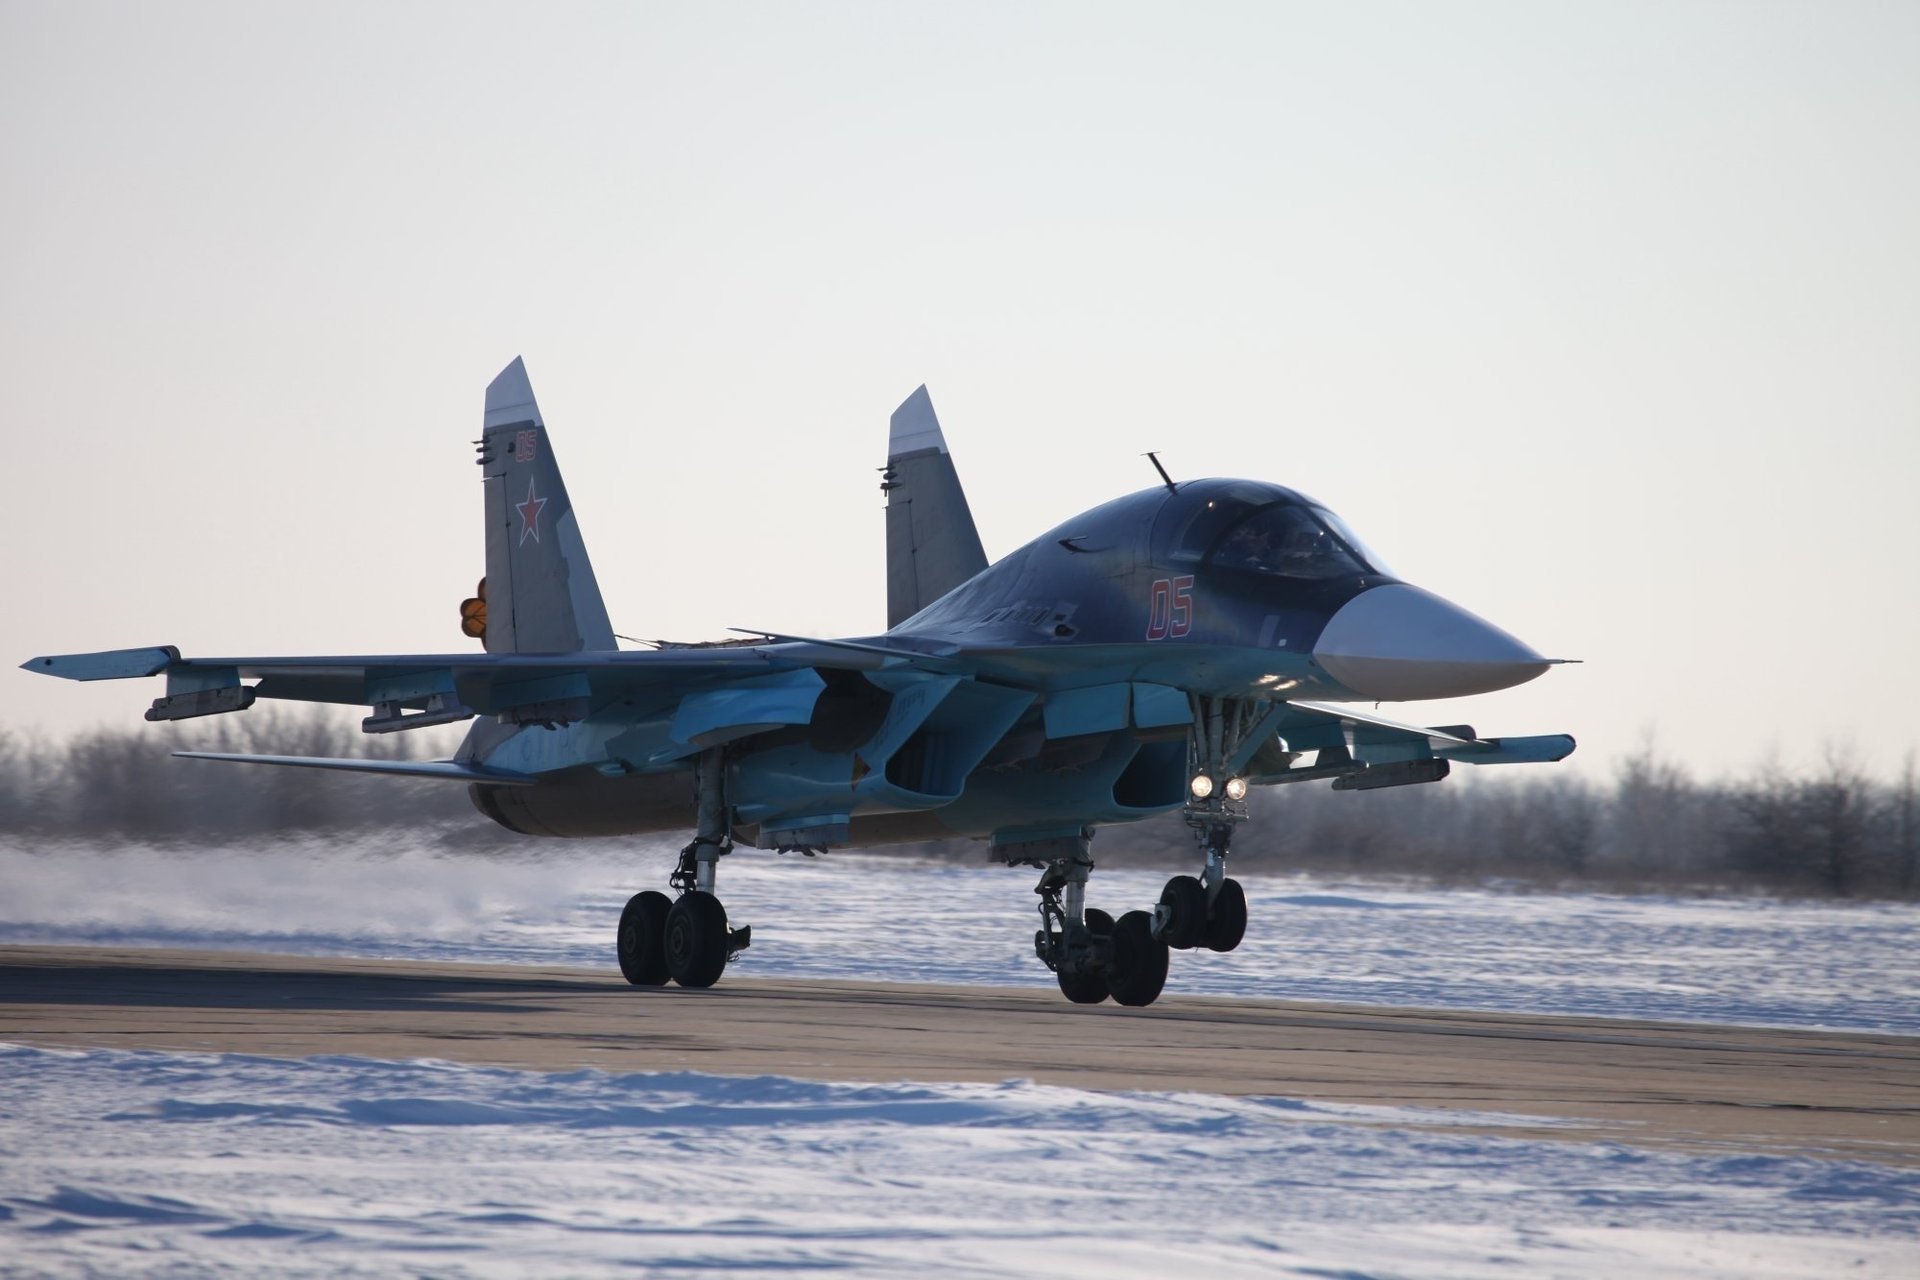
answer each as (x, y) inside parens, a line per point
(447, 770)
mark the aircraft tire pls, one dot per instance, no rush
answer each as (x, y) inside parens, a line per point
(640, 943)
(1139, 968)
(1186, 901)
(696, 939)
(1088, 988)
(1228, 923)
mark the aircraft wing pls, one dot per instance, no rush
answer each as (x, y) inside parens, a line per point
(1458, 734)
(483, 683)
(1338, 727)
(695, 696)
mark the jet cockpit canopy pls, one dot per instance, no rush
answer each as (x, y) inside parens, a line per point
(1251, 527)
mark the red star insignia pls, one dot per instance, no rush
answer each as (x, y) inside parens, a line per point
(530, 514)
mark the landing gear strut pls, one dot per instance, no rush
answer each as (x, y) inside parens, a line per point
(1210, 910)
(687, 940)
(1091, 954)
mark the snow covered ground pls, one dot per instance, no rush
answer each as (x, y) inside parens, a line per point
(115, 1163)
(158, 1164)
(870, 916)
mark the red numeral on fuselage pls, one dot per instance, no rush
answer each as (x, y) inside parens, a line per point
(1170, 609)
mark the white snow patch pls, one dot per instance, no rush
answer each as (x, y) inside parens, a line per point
(164, 1164)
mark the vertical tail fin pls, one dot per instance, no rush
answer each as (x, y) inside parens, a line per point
(540, 589)
(932, 546)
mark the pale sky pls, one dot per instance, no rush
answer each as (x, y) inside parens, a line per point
(1602, 320)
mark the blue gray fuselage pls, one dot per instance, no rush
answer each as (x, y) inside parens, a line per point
(1227, 588)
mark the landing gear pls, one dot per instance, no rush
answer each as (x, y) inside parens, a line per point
(1183, 912)
(696, 939)
(643, 925)
(1096, 957)
(1227, 922)
(1089, 986)
(687, 940)
(1138, 971)
(1210, 910)
(1092, 955)
(1072, 941)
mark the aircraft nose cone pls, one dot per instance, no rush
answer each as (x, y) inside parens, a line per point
(1397, 643)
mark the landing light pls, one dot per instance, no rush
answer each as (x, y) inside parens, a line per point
(1202, 786)
(1236, 788)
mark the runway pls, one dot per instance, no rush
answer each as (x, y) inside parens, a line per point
(1584, 1079)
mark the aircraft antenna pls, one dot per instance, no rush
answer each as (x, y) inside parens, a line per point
(1154, 457)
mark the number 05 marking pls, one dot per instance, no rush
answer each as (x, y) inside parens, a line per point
(1170, 610)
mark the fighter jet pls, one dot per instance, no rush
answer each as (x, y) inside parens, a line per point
(1173, 650)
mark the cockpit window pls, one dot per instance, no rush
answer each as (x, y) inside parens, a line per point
(1287, 540)
(1345, 533)
(1206, 521)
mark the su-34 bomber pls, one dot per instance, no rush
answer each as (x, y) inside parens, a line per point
(1173, 649)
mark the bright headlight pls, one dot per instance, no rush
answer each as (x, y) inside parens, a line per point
(1236, 788)
(1202, 786)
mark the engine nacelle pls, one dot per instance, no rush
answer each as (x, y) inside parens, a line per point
(589, 803)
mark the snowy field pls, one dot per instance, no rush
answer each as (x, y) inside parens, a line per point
(115, 1163)
(871, 917)
(163, 1164)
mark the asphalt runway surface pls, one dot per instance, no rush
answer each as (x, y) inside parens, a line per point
(1833, 1094)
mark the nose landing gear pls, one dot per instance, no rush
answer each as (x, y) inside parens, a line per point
(1181, 917)
(1210, 910)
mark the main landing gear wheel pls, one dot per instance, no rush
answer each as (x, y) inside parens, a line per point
(640, 943)
(1185, 899)
(696, 939)
(1088, 988)
(1139, 968)
(1228, 922)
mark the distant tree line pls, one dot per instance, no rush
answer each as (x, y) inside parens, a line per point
(1835, 831)
(124, 784)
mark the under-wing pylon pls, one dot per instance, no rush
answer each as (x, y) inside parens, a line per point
(1174, 649)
